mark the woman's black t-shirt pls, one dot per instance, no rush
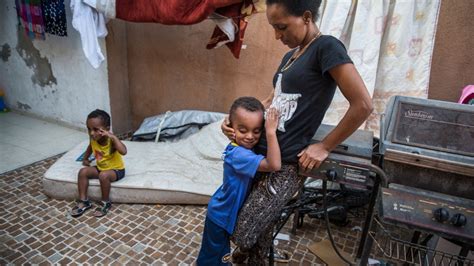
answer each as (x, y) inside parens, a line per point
(303, 93)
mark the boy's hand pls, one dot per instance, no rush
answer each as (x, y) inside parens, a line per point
(86, 162)
(271, 121)
(106, 133)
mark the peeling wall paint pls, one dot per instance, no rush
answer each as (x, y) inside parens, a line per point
(42, 72)
(23, 106)
(51, 79)
(5, 52)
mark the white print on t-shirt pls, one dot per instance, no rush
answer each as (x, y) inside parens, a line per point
(285, 103)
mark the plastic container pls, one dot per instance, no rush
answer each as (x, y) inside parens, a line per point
(3, 108)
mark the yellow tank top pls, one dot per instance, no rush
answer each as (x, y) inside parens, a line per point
(107, 160)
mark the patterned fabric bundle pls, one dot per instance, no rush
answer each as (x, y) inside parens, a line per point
(31, 18)
(54, 15)
(239, 13)
(40, 16)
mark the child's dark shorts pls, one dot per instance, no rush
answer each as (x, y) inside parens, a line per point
(119, 173)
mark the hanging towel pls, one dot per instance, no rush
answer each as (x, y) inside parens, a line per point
(106, 7)
(54, 15)
(31, 18)
(91, 25)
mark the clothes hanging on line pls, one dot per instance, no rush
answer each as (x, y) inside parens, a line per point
(31, 18)
(170, 12)
(91, 25)
(230, 15)
(42, 16)
(54, 15)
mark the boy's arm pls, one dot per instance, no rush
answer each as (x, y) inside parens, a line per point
(117, 144)
(273, 160)
(87, 154)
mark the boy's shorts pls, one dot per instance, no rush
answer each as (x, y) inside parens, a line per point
(119, 173)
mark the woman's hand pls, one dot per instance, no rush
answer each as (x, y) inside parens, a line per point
(313, 156)
(226, 129)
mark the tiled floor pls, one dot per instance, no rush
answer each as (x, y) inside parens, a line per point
(35, 229)
(38, 230)
(25, 140)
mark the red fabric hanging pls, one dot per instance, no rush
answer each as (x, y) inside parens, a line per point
(169, 12)
(186, 12)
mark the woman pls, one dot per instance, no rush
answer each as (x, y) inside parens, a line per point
(304, 86)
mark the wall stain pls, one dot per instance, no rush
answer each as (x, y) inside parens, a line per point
(43, 73)
(22, 106)
(5, 52)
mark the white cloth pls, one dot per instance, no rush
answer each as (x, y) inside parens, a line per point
(226, 25)
(391, 43)
(91, 25)
(106, 7)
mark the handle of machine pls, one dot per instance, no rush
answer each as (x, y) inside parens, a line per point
(351, 161)
(380, 173)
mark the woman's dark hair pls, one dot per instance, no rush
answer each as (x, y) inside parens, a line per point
(102, 115)
(298, 7)
(248, 103)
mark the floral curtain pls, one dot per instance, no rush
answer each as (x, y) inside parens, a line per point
(391, 43)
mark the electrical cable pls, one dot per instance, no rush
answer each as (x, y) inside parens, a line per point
(326, 219)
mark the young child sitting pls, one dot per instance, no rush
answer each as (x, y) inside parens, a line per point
(240, 165)
(108, 151)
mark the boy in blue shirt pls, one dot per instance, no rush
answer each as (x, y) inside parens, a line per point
(246, 116)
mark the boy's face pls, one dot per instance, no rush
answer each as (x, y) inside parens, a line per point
(247, 126)
(94, 125)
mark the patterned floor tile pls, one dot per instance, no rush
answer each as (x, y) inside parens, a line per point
(37, 229)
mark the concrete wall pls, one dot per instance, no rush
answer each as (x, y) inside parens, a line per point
(453, 57)
(50, 79)
(153, 68)
(118, 69)
(169, 67)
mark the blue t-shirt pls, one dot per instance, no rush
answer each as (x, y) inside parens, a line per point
(240, 166)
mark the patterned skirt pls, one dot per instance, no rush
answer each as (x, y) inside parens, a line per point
(269, 195)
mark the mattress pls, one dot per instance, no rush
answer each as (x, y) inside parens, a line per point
(184, 172)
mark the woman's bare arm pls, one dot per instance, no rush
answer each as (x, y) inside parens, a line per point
(353, 88)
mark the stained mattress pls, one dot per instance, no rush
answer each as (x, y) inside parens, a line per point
(184, 172)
